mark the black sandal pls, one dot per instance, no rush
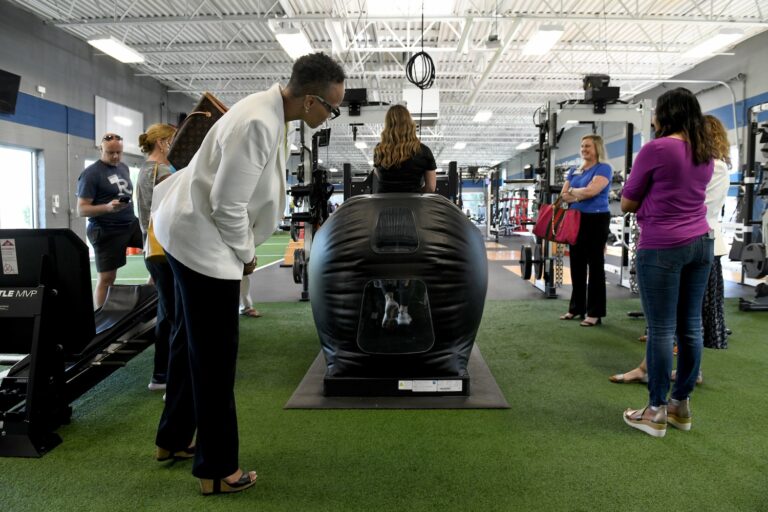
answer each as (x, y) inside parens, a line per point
(221, 486)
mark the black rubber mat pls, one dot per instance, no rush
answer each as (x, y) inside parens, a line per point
(485, 393)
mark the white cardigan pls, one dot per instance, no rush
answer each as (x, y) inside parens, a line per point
(211, 215)
(717, 191)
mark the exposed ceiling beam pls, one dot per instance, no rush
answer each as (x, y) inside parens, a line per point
(732, 21)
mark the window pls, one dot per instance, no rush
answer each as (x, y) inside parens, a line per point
(17, 189)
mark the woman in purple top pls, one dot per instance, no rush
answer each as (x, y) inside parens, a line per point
(666, 189)
(586, 189)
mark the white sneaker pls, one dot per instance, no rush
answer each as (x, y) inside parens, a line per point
(391, 309)
(404, 318)
(156, 386)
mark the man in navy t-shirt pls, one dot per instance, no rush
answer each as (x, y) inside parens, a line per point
(104, 192)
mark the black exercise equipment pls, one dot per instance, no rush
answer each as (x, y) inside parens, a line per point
(446, 185)
(753, 255)
(533, 263)
(316, 194)
(754, 261)
(59, 347)
(420, 251)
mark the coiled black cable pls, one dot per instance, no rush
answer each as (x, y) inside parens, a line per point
(427, 67)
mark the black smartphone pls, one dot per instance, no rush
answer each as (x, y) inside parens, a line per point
(125, 199)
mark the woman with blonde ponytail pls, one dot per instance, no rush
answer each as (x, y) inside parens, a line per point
(155, 143)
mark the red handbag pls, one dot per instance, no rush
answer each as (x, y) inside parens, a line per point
(557, 224)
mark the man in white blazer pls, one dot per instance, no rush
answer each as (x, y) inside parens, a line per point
(210, 217)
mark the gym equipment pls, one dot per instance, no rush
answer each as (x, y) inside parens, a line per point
(526, 262)
(58, 347)
(314, 198)
(759, 303)
(753, 255)
(753, 259)
(446, 185)
(637, 118)
(532, 261)
(380, 252)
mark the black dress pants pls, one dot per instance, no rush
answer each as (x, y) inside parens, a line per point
(588, 258)
(162, 275)
(201, 373)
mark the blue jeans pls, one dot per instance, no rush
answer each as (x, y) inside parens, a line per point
(672, 284)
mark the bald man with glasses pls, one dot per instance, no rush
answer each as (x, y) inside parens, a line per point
(104, 192)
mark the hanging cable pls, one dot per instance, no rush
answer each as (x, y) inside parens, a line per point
(420, 70)
(422, 64)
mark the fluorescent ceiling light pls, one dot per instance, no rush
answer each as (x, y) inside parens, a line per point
(444, 162)
(335, 30)
(122, 120)
(370, 162)
(293, 41)
(524, 145)
(116, 49)
(460, 145)
(482, 116)
(410, 8)
(333, 169)
(724, 38)
(572, 121)
(361, 145)
(543, 40)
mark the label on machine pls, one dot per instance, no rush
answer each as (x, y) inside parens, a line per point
(8, 262)
(21, 302)
(430, 386)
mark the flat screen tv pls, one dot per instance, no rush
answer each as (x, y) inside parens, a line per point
(9, 92)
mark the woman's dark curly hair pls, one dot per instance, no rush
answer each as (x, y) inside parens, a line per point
(313, 74)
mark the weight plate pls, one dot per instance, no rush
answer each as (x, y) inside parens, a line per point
(754, 261)
(526, 261)
(298, 265)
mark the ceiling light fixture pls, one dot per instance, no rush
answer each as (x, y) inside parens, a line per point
(493, 42)
(293, 41)
(524, 145)
(390, 8)
(483, 116)
(361, 145)
(724, 38)
(335, 30)
(116, 49)
(543, 40)
(460, 145)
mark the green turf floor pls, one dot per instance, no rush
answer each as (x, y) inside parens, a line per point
(134, 271)
(561, 446)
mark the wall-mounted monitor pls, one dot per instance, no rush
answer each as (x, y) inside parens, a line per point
(9, 92)
(124, 121)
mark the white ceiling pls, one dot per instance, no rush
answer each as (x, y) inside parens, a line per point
(227, 47)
